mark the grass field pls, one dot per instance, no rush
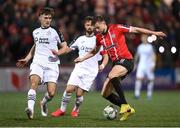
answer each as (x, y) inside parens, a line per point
(162, 110)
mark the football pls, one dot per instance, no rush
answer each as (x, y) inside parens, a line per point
(110, 112)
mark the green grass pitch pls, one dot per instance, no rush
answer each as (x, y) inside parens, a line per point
(162, 110)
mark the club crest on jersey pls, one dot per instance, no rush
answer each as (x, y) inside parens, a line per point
(113, 35)
(48, 33)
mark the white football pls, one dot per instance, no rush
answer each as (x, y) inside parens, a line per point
(110, 112)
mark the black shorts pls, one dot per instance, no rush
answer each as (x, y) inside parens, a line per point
(127, 63)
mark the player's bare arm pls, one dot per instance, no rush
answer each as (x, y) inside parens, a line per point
(63, 50)
(104, 62)
(147, 31)
(88, 55)
(22, 62)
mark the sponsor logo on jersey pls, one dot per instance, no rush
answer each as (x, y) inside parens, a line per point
(86, 49)
(43, 40)
(110, 46)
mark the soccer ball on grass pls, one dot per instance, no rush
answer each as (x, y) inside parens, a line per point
(110, 112)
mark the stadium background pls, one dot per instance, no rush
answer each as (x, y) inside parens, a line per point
(18, 18)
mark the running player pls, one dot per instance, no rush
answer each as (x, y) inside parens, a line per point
(44, 68)
(112, 37)
(84, 73)
(145, 67)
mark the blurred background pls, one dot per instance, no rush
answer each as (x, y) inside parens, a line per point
(18, 18)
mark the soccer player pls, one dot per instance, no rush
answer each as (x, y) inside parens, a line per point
(112, 37)
(84, 73)
(145, 67)
(44, 69)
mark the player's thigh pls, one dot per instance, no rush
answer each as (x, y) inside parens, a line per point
(36, 74)
(140, 74)
(86, 81)
(150, 74)
(70, 88)
(51, 75)
(51, 88)
(117, 71)
(73, 80)
(34, 80)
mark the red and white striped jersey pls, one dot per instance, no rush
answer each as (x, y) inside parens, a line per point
(114, 42)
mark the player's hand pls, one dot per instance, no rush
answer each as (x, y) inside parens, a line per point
(21, 63)
(54, 52)
(101, 67)
(79, 59)
(160, 34)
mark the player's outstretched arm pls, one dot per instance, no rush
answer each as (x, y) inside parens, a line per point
(24, 61)
(147, 31)
(104, 62)
(63, 50)
(88, 55)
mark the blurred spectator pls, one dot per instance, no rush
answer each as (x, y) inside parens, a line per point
(18, 19)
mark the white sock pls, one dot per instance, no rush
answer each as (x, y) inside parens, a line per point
(31, 99)
(78, 102)
(65, 100)
(150, 88)
(46, 98)
(138, 85)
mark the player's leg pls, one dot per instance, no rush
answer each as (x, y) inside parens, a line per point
(50, 77)
(139, 77)
(34, 80)
(120, 70)
(117, 72)
(108, 94)
(51, 88)
(79, 99)
(150, 85)
(64, 101)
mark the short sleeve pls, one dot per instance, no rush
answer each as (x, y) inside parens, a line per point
(103, 52)
(59, 37)
(74, 44)
(124, 28)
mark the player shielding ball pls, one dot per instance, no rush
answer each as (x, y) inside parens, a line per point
(44, 68)
(146, 62)
(84, 73)
(112, 38)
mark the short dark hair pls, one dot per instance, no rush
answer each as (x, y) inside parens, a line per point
(99, 19)
(88, 18)
(46, 11)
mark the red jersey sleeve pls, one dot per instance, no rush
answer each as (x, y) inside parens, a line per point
(98, 40)
(123, 28)
(103, 52)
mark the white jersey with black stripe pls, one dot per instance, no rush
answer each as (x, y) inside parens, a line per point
(45, 40)
(85, 44)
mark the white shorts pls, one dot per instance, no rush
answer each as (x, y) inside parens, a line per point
(49, 73)
(145, 72)
(83, 81)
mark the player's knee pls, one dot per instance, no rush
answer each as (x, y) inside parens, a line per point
(70, 89)
(51, 94)
(34, 85)
(114, 80)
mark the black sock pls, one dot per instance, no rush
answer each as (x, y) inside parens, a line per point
(117, 87)
(114, 99)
